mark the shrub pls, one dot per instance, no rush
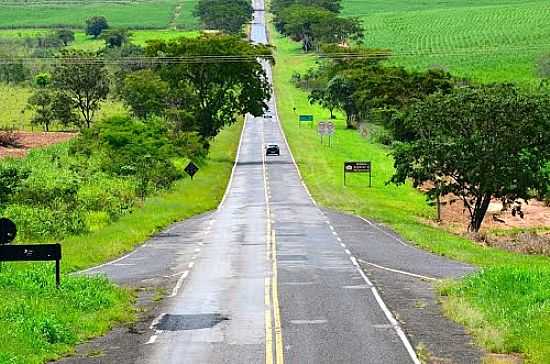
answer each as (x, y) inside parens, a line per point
(9, 138)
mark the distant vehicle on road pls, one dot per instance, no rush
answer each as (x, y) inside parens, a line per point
(268, 116)
(272, 150)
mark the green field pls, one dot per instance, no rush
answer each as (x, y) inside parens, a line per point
(140, 14)
(13, 100)
(508, 303)
(489, 40)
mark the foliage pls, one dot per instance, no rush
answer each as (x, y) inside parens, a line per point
(228, 16)
(128, 147)
(313, 25)
(14, 72)
(40, 103)
(116, 37)
(145, 93)
(96, 25)
(478, 143)
(82, 78)
(215, 92)
(65, 35)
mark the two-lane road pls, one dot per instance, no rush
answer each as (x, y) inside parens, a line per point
(267, 277)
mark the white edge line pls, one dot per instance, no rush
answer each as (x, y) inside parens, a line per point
(179, 283)
(230, 183)
(384, 231)
(381, 303)
(399, 271)
(157, 320)
(274, 97)
(388, 314)
(152, 339)
(108, 263)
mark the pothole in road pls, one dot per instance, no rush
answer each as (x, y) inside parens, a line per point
(189, 322)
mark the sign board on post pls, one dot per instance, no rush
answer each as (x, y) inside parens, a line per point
(305, 119)
(358, 167)
(27, 253)
(191, 169)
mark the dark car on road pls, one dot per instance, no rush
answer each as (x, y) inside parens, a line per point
(272, 149)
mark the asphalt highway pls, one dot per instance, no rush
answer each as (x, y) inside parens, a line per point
(270, 277)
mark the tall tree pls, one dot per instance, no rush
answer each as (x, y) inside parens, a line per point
(96, 25)
(228, 16)
(478, 143)
(81, 76)
(223, 74)
(116, 37)
(40, 102)
(65, 35)
(145, 93)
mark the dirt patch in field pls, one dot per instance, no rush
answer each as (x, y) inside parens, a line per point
(30, 140)
(503, 229)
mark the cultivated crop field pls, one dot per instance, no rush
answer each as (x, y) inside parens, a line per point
(135, 14)
(489, 40)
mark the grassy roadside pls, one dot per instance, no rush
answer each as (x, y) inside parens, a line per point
(187, 198)
(508, 302)
(41, 323)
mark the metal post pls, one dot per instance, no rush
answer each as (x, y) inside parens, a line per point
(57, 274)
(370, 178)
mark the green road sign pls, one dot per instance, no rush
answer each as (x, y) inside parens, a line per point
(306, 118)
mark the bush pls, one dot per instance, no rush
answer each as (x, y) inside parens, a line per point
(9, 138)
(43, 224)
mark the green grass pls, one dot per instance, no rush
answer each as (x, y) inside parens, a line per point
(489, 40)
(147, 14)
(41, 323)
(405, 210)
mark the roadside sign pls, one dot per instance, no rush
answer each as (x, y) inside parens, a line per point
(358, 167)
(8, 231)
(331, 129)
(326, 128)
(33, 253)
(305, 119)
(191, 169)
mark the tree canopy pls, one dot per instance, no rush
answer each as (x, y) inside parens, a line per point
(478, 143)
(82, 78)
(313, 25)
(228, 16)
(96, 25)
(218, 79)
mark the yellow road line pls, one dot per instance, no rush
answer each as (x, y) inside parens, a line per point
(268, 325)
(279, 352)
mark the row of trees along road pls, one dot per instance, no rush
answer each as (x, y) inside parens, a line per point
(179, 80)
(448, 134)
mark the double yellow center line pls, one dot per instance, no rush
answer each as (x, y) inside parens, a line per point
(274, 351)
